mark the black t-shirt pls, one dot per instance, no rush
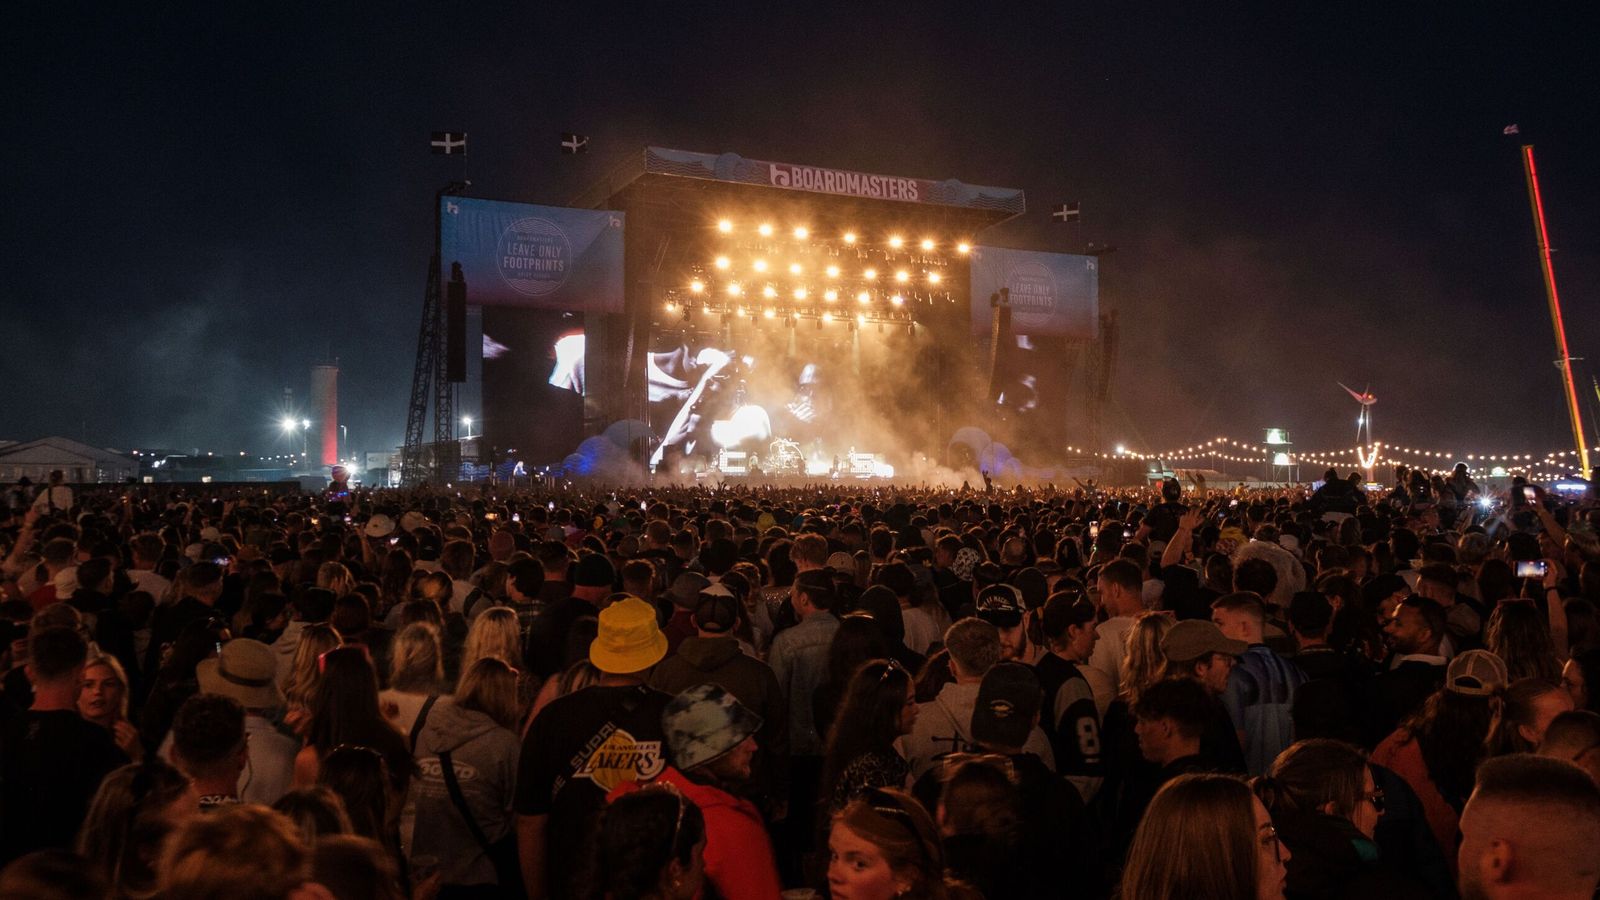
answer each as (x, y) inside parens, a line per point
(578, 749)
(51, 764)
(546, 647)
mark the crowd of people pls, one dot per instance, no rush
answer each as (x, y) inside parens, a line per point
(858, 693)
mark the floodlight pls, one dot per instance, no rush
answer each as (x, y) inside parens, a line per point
(870, 274)
(696, 286)
(833, 271)
(902, 276)
(799, 293)
(933, 278)
(963, 247)
(765, 230)
(864, 297)
(927, 243)
(830, 295)
(722, 262)
(734, 290)
(801, 233)
(769, 291)
(849, 237)
(896, 241)
(769, 313)
(794, 268)
(759, 265)
(897, 300)
(725, 226)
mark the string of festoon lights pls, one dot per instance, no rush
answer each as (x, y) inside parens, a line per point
(1375, 455)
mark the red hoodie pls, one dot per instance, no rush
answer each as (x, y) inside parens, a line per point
(739, 860)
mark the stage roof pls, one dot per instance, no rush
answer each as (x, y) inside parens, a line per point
(696, 181)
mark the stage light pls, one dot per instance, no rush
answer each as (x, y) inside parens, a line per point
(287, 424)
(861, 318)
(672, 307)
(927, 243)
(870, 274)
(734, 290)
(696, 286)
(863, 297)
(770, 313)
(896, 241)
(769, 291)
(902, 276)
(765, 230)
(849, 237)
(800, 293)
(827, 317)
(706, 310)
(933, 278)
(963, 247)
(833, 271)
(897, 300)
(759, 265)
(830, 295)
(794, 268)
(800, 233)
(722, 262)
(725, 226)
(305, 423)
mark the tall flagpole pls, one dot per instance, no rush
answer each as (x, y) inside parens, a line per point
(1564, 359)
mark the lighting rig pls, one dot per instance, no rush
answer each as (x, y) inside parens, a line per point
(770, 273)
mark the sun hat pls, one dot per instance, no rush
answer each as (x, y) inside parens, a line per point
(1192, 639)
(413, 520)
(379, 526)
(629, 639)
(1476, 673)
(245, 670)
(703, 723)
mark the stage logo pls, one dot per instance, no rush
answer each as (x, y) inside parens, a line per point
(1052, 294)
(834, 181)
(534, 257)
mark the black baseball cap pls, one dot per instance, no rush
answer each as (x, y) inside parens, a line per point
(1001, 606)
(1066, 608)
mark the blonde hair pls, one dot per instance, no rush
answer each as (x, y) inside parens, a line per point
(243, 852)
(490, 687)
(335, 577)
(1143, 663)
(110, 662)
(416, 661)
(494, 634)
(304, 675)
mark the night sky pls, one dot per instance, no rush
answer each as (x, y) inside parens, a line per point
(204, 202)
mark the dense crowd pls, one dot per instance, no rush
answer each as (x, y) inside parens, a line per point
(844, 691)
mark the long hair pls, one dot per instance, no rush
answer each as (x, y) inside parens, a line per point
(637, 838)
(126, 824)
(1314, 772)
(395, 580)
(1143, 663)
(110, 663)
(494, 634)
(416, 660)
(1517, 634)
(304, 674)
(317, 811)
(1521, 710)
(1452, 730)
(489, 686)
(1197, 841)
(345, 711)
(868, 718)
(360, 777)
(897, 825)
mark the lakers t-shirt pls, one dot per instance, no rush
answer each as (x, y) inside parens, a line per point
(578, 749)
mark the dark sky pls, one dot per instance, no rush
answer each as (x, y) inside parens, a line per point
(203, 202)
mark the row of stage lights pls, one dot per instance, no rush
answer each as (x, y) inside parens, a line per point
(885, 280)
(848, 238)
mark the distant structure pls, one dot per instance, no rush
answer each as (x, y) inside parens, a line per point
(325, 403)
(78, 462)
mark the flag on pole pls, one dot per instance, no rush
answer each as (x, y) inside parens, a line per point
(1068, 212)
(449, 143)
(574, 143)
(1511, 129)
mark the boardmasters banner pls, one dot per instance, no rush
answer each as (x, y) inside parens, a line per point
(1052, 294)
(539, 257)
